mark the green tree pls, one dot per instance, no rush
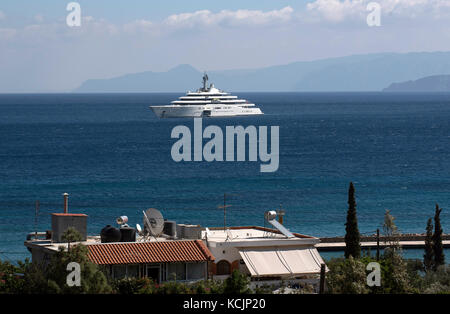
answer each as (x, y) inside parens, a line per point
(439, 257)
(34, 278)
(71, 235)
(237, 283)
(391, 234)
(415, 270)
(347, 276)
(428, 257)
(11, 277)
(93, 280)
(438, 281)
(397, 277)
(352, 236)
(52, 278)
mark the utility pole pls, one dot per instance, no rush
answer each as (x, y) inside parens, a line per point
(224, 211)
(36, 213)
(378, 244)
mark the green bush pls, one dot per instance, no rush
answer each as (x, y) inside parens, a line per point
(133, 286)
(438, 281)
(346, 276)
(12, 277)
(237, 283)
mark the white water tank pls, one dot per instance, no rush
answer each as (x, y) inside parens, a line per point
(270, 215)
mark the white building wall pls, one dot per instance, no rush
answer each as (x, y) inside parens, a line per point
(225, 253)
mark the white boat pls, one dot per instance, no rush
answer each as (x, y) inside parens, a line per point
(207, 102)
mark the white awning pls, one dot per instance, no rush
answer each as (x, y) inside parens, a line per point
(281, 261)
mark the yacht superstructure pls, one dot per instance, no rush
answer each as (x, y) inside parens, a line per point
(207, 102)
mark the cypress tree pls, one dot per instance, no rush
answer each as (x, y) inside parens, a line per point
(439, 258)
(428, 257)
(352, 237)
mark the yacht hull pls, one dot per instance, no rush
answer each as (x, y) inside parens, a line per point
(189, 111)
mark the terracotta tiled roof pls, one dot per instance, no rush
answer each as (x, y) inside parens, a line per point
(149, 252)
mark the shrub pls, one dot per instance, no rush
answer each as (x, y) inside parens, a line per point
(237, 283)
(133, 286)
(347, 276)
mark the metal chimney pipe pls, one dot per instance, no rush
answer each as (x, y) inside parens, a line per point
(66, 203)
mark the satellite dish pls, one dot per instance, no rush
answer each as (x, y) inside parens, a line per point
(153, 221)
(139, 229)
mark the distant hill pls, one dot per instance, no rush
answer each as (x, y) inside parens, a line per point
(177, 79)
(435, 83)
(371, 72)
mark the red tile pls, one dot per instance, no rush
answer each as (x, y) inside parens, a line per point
(149, 252)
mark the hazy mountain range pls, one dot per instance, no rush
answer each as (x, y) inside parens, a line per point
(371, 72)
(435, 83)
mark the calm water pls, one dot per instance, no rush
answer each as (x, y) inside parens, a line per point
(113, 156)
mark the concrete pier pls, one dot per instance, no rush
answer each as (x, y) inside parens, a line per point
(340, 246)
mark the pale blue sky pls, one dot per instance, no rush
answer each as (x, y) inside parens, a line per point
(39, 52)
(124, 10)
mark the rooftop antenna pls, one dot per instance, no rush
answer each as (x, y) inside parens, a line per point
(224, 210)
(281, 214)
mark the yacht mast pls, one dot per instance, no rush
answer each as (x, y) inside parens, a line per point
(205, 81)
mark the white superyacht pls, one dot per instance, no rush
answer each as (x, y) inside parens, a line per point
(207, 102)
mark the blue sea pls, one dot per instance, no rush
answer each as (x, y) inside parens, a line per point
(112, 155)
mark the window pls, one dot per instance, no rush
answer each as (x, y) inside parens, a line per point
(177, 271)
(120, 271)
(153, 272)
(195, 271)
(223, 268)
(132, 271)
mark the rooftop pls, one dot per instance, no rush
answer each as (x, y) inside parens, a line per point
(69, 214)
(253, 236)
(164, 249)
